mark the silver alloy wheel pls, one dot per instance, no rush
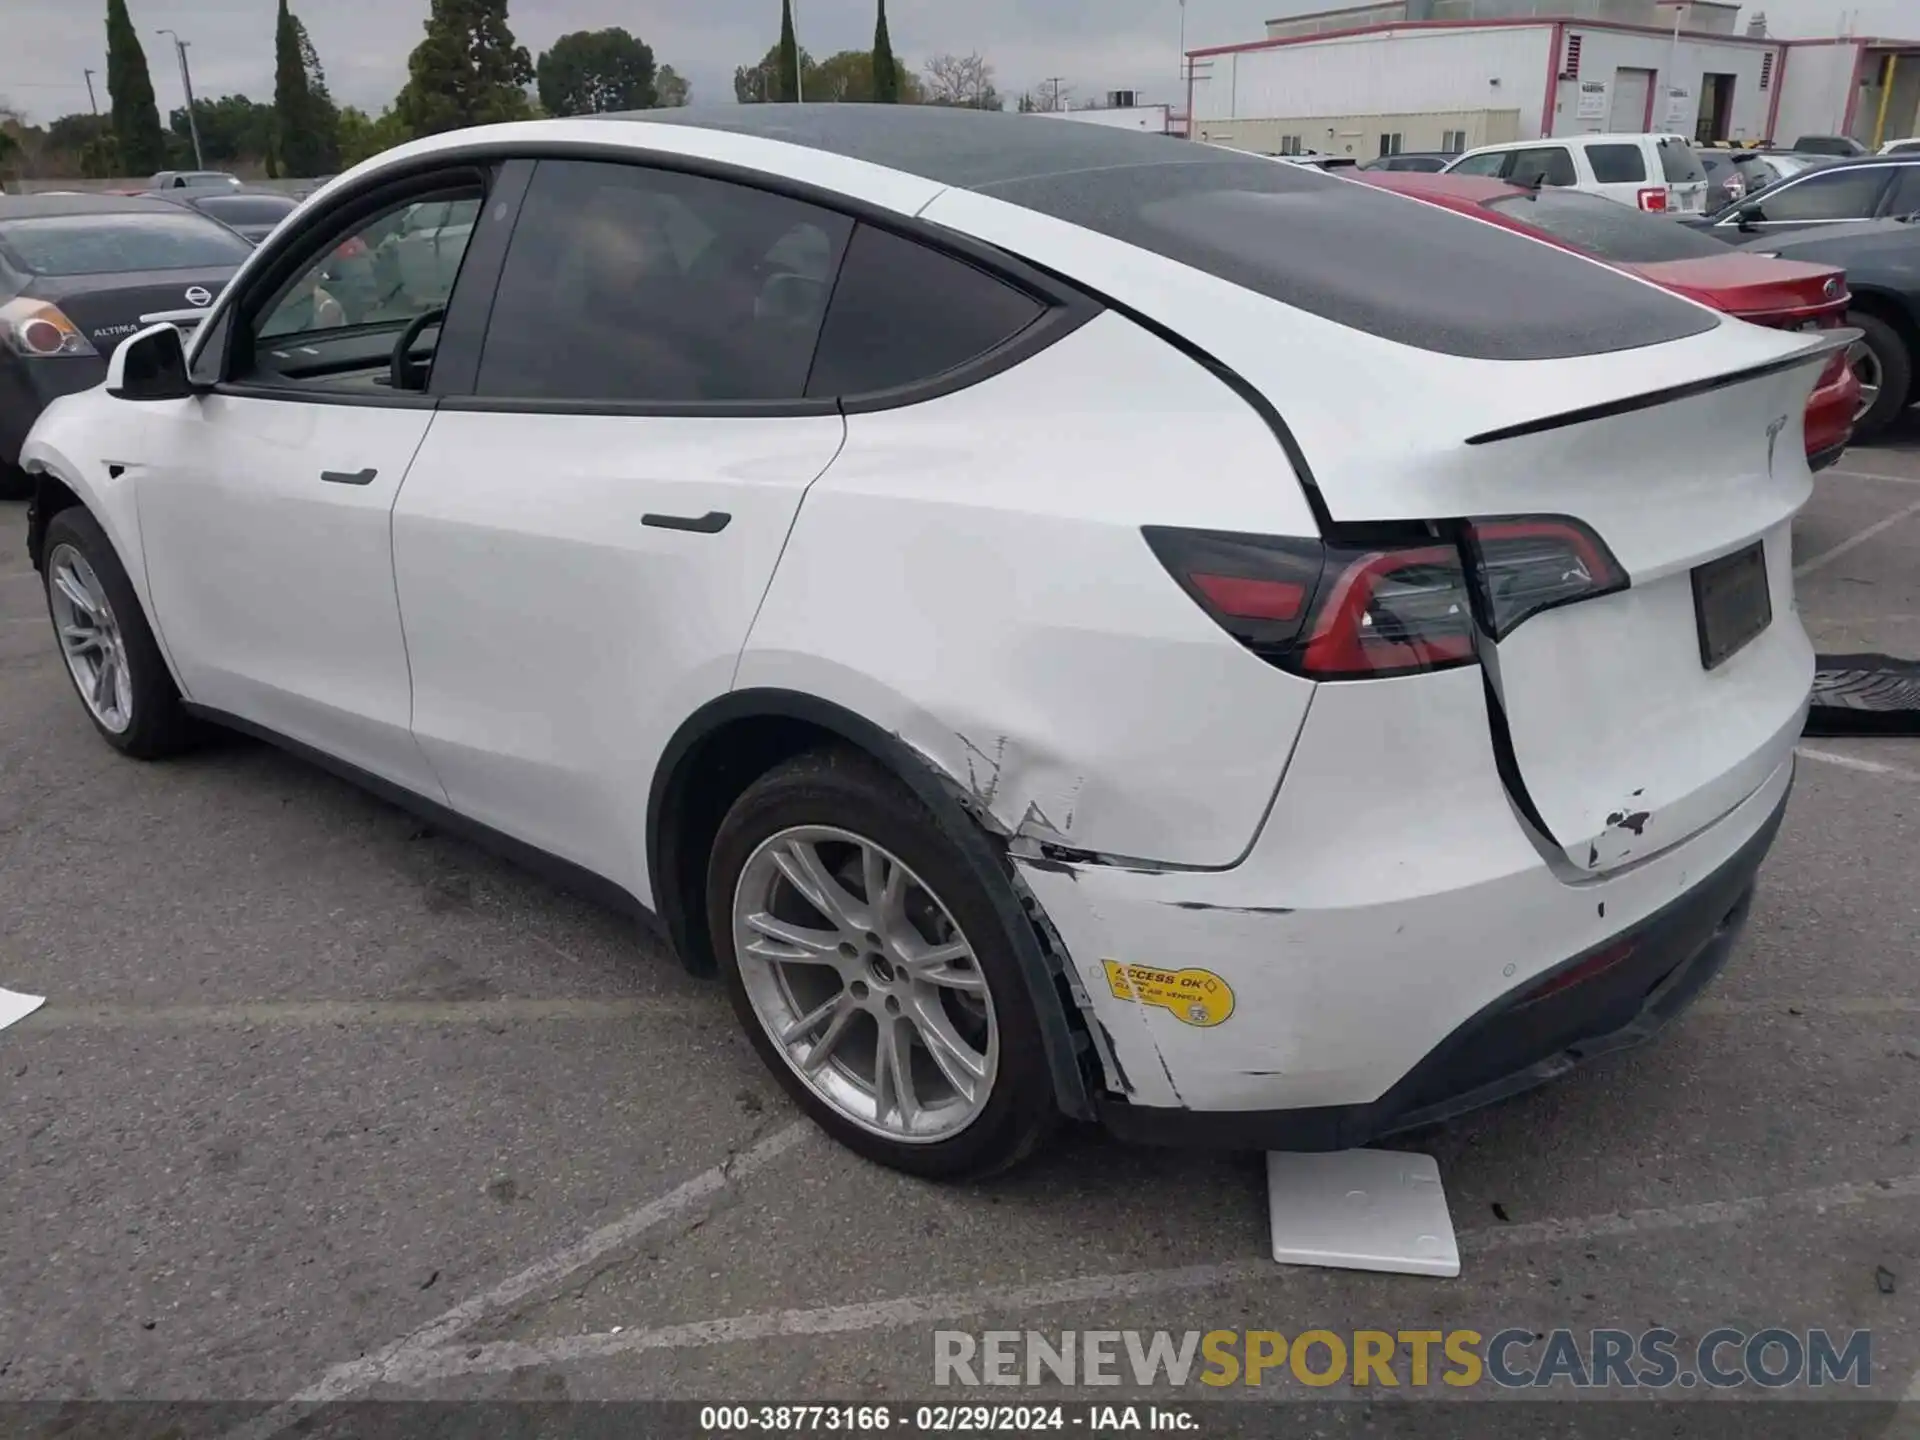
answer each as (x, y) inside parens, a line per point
(858, 973)
(1866, 368)
(90, 639)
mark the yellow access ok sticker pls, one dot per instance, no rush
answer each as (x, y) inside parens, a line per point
(1196, 997)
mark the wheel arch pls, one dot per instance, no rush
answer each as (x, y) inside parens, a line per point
(731, 741)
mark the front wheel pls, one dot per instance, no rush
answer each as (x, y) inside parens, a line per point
(1885, 371)
(110, 654)
(866, 957)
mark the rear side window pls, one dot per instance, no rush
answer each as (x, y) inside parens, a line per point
(1906, 191)
(903, 313)
(1617, 164)
(1847, 194)
(1678, 164)
(1489, 165)
(624, 283)
(1547, 164)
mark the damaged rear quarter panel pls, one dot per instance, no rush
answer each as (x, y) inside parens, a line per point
(970, 575)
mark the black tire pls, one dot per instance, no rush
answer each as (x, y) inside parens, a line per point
(159, 726)
(847, 790)
(1896, 373)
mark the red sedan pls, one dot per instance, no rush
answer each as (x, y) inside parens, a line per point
(1787, 294)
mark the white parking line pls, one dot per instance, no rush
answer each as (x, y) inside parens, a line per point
(1827, 557)
(1854, 762)
(421, 1364)
(1840, 474)
(357, 1375)
(81, 1015)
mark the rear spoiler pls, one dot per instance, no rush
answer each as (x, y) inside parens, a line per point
(185, 319)
(1827, 344)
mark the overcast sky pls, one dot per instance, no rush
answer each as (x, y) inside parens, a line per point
(1094, 45)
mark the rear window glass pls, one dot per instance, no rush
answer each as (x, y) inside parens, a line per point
(1393, 267)
(112, 244)
(1678, 164)
(1606, 228)
(247, 209)
(1617, 164)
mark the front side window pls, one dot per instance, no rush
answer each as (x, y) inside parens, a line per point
(624, 283)
(1545, 165)
(1490, 164)
(119, 242)
(366, 279)
(1906, 192)
(1617, 164)
(1827, 195)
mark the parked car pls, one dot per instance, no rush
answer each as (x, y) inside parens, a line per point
(1316, 161)
(1786, 163)
(1831, 194)
(1423, 162)
(1882, 261)
(1844, 146)
(1660, 173)
(782, 546)
(1777, 293)
(77, 273)
(251, 213)
(1901, 147)
(194, 180)
(1734, 174)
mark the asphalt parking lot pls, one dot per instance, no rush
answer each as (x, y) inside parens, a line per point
(325, 1103)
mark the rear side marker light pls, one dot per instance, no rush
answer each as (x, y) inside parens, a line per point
(1579, 973)
(1340, 610)
(1654, 199)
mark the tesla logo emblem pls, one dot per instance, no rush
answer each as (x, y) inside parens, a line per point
(199, 295)
(1773, 438)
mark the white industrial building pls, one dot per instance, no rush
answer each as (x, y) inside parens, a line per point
(1452, 74)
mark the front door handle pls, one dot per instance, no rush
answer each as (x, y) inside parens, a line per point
(349, 477)
(711, 523)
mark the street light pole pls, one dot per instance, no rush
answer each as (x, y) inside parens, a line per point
(91, 102)
(186, 84)
(1183, 41)
(799, 66)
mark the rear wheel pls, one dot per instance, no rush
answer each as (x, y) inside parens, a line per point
(867, 960)
(1885, 370)
(109, 652)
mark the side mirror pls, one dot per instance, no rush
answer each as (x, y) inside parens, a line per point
(150, 364)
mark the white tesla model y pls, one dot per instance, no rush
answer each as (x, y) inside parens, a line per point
(1063, 622)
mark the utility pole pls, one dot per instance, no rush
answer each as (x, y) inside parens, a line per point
(1183, 41)
(186, 84)
(1054, 81)
(93, 103)
(799, 64)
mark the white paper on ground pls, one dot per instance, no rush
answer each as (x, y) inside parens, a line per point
(1361, 1210)
(15, 1006)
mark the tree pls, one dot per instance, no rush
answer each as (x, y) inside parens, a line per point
(233, 129)
(848, 76)
(963, 80)
(670, 88)
(307, 128)
(759, 83)
(590, 72)
(363, 136)
(468, 71)
(138, 140)
(787, 71)
(886, 70)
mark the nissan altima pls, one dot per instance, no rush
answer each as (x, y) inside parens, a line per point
(1060, 622)
(77, 272)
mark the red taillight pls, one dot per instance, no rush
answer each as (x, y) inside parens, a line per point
(1579, 972)
(1654, 198)
(1342, 610)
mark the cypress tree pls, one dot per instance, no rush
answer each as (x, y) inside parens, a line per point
(787, 82)
(886, 73)
(141, 143)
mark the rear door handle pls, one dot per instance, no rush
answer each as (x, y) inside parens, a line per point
(711, 523)
(349, 477)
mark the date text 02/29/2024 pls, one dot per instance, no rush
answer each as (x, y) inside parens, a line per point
(940, 1419)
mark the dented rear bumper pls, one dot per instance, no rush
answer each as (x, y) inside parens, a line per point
(1363, 969)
